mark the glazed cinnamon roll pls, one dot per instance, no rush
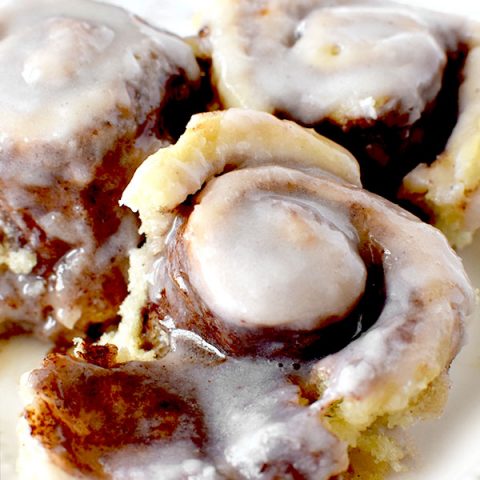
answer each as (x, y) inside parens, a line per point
(379, 78)
(289, 317)
(448, 189)
(86, 93)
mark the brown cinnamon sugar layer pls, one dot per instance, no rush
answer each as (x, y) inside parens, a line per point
(83, 411)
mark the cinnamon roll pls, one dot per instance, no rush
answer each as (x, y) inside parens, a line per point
(87, 92)
(289, 317)
(379, 78)
(448, 189)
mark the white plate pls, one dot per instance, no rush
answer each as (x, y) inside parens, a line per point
(446, 449)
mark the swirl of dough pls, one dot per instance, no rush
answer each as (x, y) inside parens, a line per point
(281, 241)
(346, 61)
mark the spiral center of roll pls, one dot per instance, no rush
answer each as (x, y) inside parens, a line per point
(269, 261)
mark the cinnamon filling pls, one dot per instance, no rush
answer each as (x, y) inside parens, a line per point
(87, 412)
(180, 301)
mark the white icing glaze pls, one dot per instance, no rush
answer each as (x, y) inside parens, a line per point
(255, 419)
(293, 268)
(314, 60)
(253, 416)
(51, 64)
(420, 328)
(75, 61)
(173, 461)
